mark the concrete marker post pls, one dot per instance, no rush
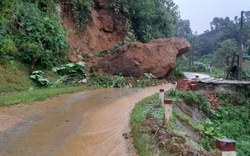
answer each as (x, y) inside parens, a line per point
(161, 97)
(225, 147)
(173, 86)
(197, 78)
(167, 110)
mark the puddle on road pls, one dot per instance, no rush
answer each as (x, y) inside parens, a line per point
(86, 123)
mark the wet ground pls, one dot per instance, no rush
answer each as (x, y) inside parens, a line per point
(190, 75)
(89, 123)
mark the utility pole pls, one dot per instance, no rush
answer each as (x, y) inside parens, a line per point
(241, 48)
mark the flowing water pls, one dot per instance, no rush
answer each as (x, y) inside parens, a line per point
(89, 123)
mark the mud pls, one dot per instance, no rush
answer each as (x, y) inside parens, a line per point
(85, 123)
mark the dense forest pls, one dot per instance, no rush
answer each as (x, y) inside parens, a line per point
(212, 47)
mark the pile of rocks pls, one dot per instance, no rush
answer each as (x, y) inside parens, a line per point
(215, 103)
(186, 85)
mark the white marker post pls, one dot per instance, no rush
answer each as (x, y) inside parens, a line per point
(197, 78)
(161, 97)
(173, 86)
(167, 111)
(225, 147)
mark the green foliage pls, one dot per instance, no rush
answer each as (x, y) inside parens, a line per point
(94, 68)
(143, 144)
(222, 40)
(68, 73)
(107, 81)
(183, 28)
(116, 47)
(184, 118)
(14, 77)
(71, 69)
(140, 84)
(182, 63)
(150, 19)
(217, 73)
(32, 33)
(36, 95)
(38, 76)
(147, 80)
(178, 73)
(226, 48)
(191, 98)
(42, 39)
(82, 12)
(230, 120)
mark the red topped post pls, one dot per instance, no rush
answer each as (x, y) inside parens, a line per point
(161, 96)
(167, 110)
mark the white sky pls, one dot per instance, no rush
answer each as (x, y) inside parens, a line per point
(201, 12)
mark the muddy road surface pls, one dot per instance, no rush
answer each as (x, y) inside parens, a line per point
(191, 75)
(89, 123)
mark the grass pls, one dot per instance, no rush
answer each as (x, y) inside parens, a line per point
(37, 95)
(14, 77)
(186, 119)
(142, 143)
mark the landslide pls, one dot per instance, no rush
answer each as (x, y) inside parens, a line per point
(104, 31)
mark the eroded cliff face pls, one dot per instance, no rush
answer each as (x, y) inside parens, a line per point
(105, 30)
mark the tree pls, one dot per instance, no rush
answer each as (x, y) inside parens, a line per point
(225, 48)
(150, 19)
(183, 28)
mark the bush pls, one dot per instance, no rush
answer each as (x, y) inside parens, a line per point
(82, 12)
(37, 36)
(178, 73)
(107, 81)
(149, 19)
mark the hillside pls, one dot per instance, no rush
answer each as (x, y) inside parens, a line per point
(42, 35)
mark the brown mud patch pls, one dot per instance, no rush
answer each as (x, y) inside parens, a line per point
(7, 121)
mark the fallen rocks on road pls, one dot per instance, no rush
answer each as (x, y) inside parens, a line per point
(157, 57)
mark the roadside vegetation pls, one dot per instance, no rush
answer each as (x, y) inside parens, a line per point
(31, 95)
(229, 120)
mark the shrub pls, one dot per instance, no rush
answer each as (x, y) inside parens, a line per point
(31, 34)
(82, 12)
(107, 81)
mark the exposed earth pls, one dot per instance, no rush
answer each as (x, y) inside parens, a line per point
(87, 123)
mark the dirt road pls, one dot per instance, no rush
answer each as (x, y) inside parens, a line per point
(89, 123)
(190, 75)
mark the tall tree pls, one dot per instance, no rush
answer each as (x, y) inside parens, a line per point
(149, 19)
(225, 49)
(183, 28)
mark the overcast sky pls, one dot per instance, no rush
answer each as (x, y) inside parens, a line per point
(201, 12)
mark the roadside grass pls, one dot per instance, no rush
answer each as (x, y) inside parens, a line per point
(142, 143)
(186, 119)
(13, 77)
(38, 95)
(147, 145)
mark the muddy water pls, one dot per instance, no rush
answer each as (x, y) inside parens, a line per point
(81, 124)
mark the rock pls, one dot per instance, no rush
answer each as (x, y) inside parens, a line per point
(108, 23)
(157, 57)
(185, 85)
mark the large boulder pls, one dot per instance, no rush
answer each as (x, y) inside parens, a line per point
(157, 57)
